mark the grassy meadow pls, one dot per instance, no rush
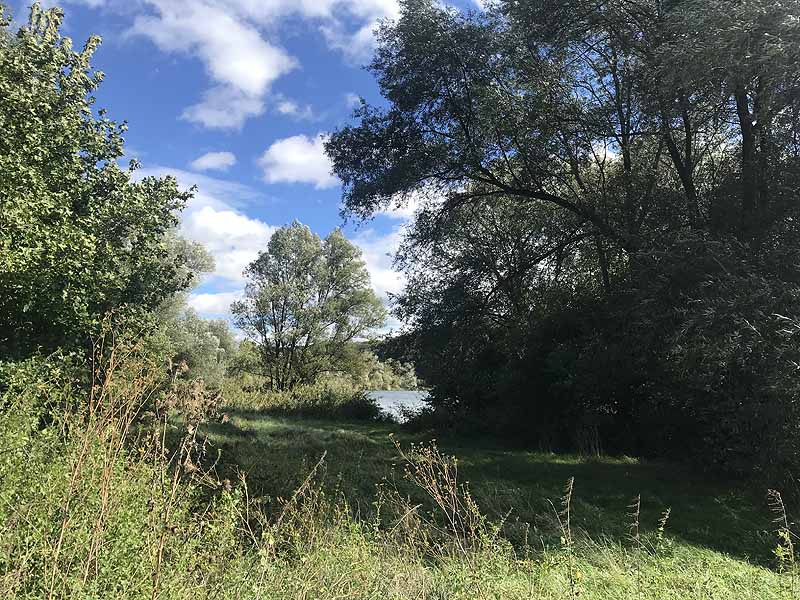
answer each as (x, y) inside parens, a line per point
(119, 497)
(717, 542)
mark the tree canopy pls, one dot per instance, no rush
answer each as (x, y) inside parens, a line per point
(79, 237)
(607, 250)
(581, 106)
(306, 301)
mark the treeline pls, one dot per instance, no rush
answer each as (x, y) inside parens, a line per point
(606, 255)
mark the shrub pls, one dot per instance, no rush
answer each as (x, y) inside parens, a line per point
(93, 502)
(332, 398)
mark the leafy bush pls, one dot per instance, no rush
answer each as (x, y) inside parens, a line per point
(78, 235)
(92, 503)
(326, 399)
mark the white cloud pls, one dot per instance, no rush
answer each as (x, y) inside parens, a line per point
(298, 159)
(236, 40)
(237, 57)
(290, 108)
(378, 251)
(217, 304)
(219, 193)
(405, 206)
(352, 100)
(224, 108)
(220, 161)
(233, 51)
(232, 238)
(213, 218)
(358, 45)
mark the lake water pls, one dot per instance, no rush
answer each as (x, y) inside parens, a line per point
(395, 402)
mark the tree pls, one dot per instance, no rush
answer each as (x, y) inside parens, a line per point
(206, 347)
(78, 237)
(306, 301)
(609, 221)
(579, 106)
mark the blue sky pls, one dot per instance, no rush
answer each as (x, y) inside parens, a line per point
(234, 96)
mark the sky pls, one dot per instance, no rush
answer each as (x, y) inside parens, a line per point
(235, 97)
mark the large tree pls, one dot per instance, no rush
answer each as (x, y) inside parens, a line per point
(306, 301)
(78, 236)
(610, 214)
(537, 100)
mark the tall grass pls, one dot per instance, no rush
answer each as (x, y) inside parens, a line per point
(105, 495)
(326, 399)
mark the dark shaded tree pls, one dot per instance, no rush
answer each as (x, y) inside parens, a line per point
(609, 231)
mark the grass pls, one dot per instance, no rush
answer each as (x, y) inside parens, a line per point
(116, 497)
(720, 535)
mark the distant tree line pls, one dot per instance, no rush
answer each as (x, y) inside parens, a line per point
(607, 250)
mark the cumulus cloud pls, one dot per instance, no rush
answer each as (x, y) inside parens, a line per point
(237, 57)
(232, 238)
(214, 217)
(352, 100)
(218, 304)
(358, 44)
(224, 108)
(378, 250)
(290, 108)
(236, 42)
(214, 161)
(298, 159)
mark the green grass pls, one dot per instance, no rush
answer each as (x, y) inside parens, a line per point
(719, 532)
(96, 503)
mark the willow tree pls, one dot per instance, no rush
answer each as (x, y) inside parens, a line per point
(654, 145)
(306, 301)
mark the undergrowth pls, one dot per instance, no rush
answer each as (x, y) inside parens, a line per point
(326, 399)
(104, 495)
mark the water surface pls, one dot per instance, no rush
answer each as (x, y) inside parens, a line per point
(395, 403)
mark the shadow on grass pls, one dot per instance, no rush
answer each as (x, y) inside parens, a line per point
(278, 453)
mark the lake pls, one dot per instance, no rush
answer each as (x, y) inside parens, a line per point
(395, 402)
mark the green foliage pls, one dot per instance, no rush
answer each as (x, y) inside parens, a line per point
(90, 504)
(205, 347)
(329, 398)
(714, 528)
(78, 237)
(373, 374)
(307, 299)
(608, 223)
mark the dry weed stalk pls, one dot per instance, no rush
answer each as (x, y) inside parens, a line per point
(437, 475)
(785, 550)
(126, 388)
(662, 526)
(564, 517)
(109, 417)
